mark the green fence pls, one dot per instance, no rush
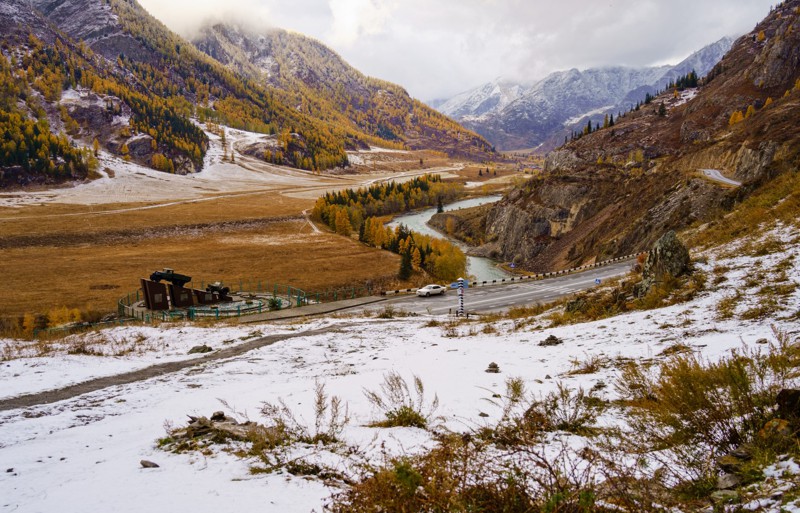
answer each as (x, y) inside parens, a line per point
(259, 292)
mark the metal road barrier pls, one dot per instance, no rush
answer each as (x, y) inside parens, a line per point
(531, 277)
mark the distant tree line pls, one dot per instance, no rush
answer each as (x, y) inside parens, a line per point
(364, 210)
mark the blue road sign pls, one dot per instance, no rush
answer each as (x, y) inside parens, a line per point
(454, 285)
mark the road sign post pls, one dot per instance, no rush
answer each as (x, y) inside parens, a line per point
(460, 311)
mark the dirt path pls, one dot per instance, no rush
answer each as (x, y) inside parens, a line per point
(52, 396)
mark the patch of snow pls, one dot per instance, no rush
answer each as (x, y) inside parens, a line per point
(595, 112)
(685, 96)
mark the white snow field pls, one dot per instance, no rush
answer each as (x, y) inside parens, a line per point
(84, 454)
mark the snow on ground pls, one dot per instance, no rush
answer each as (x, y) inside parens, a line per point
(50, 365)
(685, 96)
(595, 112)
(133, 182)
(53, 452)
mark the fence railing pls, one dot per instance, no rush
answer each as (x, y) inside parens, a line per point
(258, 296)
(529, 277)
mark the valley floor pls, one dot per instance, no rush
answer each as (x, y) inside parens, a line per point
(84, 453)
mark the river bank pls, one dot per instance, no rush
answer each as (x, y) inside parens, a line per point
(479, 267)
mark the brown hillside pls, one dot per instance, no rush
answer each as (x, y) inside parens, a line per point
(617, 190)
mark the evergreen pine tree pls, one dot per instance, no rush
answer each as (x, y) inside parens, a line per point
(405, 265)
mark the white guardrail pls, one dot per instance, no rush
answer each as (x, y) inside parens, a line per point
(533, 277)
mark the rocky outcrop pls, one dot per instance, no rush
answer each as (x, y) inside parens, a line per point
(668, 258)
(752, 163)
(217, 428)
(561, 160)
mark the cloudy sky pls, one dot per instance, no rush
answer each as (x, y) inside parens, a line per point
(437, 48)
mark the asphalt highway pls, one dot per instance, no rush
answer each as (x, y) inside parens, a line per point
(495, 298)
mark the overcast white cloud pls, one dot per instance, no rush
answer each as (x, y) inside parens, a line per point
(436, 48)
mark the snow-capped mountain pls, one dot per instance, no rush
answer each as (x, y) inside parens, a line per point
(514, 115)
(483, 101)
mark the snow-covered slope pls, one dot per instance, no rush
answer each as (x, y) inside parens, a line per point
(51, 452)
(514, 115)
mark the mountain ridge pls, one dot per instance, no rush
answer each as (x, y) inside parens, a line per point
(320, 79)
(129, 66)
(537, 114)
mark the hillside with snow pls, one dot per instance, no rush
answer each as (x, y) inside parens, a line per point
(50, 452)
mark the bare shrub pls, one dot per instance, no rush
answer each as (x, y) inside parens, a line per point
(401, 407)
(689, 410)
(524, 419)
(590, 365)
(466, 474)
(331, 416)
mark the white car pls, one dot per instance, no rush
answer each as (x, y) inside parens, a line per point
(431, 290)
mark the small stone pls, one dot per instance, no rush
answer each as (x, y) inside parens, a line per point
(481, 414)
(552, 340)
(724, 497)
(762, 341)
(728, 481)
(548, 376)
(776, 427)
(148, 464)
(497, 396)
(10, 469)
(200, 349)
(743, 452)
(493, 368)
(218, 416)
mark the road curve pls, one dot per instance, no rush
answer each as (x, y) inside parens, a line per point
(716, 176)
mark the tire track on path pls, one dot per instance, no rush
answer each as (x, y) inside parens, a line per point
(93, 385)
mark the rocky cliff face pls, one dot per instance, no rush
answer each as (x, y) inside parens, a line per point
(618, 190)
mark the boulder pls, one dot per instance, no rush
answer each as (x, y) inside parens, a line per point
(668, 258)
(148, 464)
(728, 481)
(200, 349)
(724, 497)
(729, 463)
